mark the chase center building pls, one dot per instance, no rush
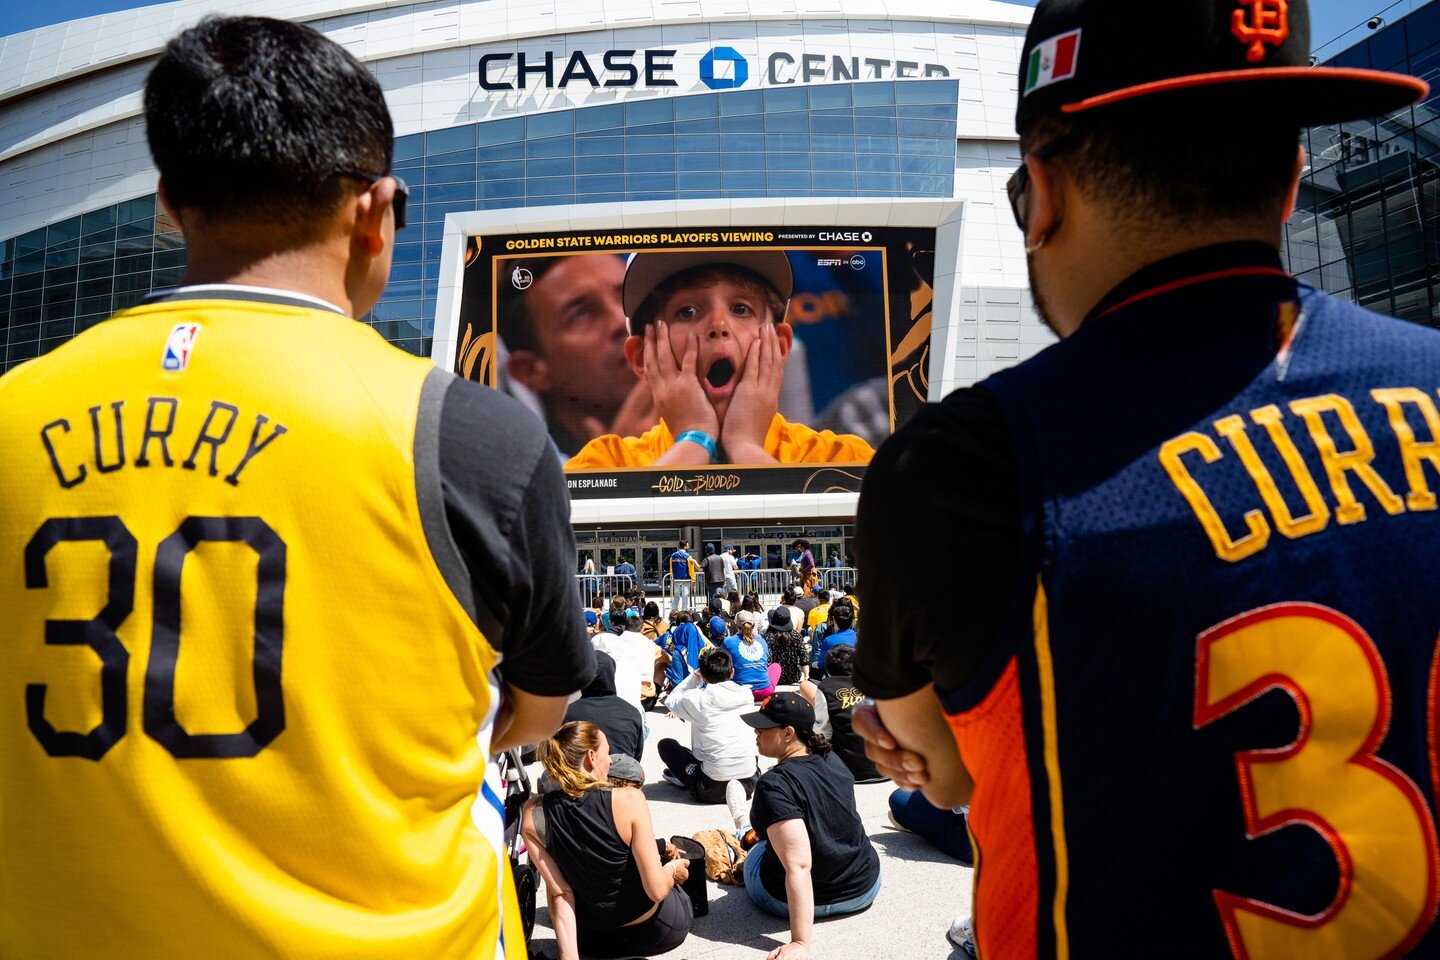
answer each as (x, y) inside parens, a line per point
(511, 104)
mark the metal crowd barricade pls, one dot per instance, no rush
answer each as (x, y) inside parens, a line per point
(835, 578)
(769, 583)
(603, 585)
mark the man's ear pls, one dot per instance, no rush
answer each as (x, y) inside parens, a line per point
(529, 369)
(786, 335)
(1047, 200)
(635, 354)
(370, 206)
(1291, 198)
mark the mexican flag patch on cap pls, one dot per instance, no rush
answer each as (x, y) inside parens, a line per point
(1052, 61)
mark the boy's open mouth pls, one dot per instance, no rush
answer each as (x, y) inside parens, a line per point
(722, 371)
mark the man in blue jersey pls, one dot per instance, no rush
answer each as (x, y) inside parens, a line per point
(1189, 703)
(681, 576)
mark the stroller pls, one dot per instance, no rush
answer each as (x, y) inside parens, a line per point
(527, 878)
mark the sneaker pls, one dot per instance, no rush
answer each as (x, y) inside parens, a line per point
(962, 936)
(671, 779)
(897, 824)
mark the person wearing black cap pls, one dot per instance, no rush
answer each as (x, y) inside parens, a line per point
(1196, 536)
(814, 859)
(708, 333)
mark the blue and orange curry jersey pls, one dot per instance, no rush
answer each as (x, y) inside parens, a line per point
(242, 714)
(1209, 728)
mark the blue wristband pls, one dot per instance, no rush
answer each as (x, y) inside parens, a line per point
(704, 439)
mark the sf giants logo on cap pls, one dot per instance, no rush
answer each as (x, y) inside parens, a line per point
(1259, 22)
(1052, 61)
(178, 347)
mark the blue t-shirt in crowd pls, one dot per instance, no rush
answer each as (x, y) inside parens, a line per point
(752, 661)
(834, 640)
(684, 647)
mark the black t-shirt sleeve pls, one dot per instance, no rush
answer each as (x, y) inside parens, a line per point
(773, 803)
(938, 546)
(509, 514)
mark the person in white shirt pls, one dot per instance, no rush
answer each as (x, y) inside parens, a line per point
(634, 655)
(722, 759)
(731, 565)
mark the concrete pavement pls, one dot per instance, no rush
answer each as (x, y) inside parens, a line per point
(921, 892)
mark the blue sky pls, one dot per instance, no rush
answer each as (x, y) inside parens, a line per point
(1329, 18)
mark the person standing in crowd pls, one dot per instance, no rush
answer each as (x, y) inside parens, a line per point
(731, 566)
(125, 822)
(814, 859)
(834, 699)
(681, 576)
(751, 656)
(599, 705)
(609, 893)
(806, 566)
(1153, 530)
(715, 570)
(625, 569)
(722, 747)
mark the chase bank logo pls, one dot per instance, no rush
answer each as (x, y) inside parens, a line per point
(723, 68)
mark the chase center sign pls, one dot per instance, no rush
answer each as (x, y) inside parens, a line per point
(721, 68)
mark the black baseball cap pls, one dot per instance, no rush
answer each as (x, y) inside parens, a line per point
(782, 710)
(1086, 55)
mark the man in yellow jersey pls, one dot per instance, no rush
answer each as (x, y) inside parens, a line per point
(267, 602)
(708, 334)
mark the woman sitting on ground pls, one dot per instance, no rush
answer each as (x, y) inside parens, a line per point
(814, 859)
(751, 655)
(750, 611)
(787, 650)
(608, 891)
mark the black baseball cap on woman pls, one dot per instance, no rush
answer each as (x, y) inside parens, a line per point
(782, 710)
(1086, 55)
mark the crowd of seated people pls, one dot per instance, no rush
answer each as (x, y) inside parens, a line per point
(747, 682)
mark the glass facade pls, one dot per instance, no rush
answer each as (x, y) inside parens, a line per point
(890, 139)
(1367, 227)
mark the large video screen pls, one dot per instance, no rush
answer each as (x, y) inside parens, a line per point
(724, 360)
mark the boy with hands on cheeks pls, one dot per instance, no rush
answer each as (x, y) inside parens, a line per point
(709, 337)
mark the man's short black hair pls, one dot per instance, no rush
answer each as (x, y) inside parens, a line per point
(633, 622)
(839, 660)
(844, 616)
(1197, 164)
(257, 118)
(716, 665)
(823, 596)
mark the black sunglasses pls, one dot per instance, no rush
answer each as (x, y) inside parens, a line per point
(402, 191)
(1018, 186)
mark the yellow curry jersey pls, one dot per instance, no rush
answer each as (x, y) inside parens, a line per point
(785, 441)
(242, 714)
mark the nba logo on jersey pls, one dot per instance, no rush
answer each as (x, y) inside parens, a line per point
(178, 347)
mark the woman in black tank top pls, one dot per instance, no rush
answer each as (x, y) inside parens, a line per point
(608, 892)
